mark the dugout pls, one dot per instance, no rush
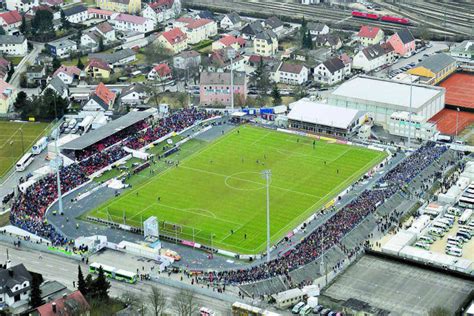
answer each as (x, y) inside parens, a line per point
(322, 118)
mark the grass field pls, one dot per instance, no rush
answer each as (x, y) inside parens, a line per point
(11, 141)
(219, 187)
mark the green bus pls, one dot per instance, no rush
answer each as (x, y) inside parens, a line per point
(113, 273)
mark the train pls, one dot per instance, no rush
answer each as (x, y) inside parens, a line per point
(382, 18)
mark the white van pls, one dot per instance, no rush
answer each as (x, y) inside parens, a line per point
(453, 243)
(306, 310)
(297, 308)
(427, 239)
(422, 245)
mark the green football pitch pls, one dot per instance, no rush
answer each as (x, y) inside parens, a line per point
(217, 194)
(11, 143)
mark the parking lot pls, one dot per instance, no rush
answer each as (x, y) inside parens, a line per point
(402, 64)
(398, 287)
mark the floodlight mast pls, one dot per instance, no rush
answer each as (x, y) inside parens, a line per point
(267, 175)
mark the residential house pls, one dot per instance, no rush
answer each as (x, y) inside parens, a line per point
(205, 14)
(162, 10)
(199, 30)
(374, 56)
(265, 43)
(106, 31)
(173, 40)
(219, 61)
(15, 281)
(5, 67)
(215, 88)
(127, 22)
(68, 74)
(128, 6)
(58, 86)
(225, 41)
(330, 72)
(20, 5)
(317, 28)
(133, 94)
(434, 68)
(62, 48)
(183, 21)
(275, 24)
(328, 40)
(10, 21)
(292, 74)
(186, 60)
(370, 35)
(102, 99)
(117, 58)
(68, 305)
(107, 15)
(251, 30)
(253, 62)
(90, 40)
(403, 42)
(13, 45)
(231, 21)
(98, 69)
(76, 14)
(35, 74)
(463, 51)
(161, 73)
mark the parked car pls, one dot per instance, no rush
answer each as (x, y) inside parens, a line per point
(317, 309)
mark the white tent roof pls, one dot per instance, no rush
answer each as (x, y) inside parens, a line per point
(322, 114)
(395, 93)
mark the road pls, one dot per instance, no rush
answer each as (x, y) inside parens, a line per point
(64, 270)
(21, 67)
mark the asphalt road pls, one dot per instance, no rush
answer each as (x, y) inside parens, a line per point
(21, 67)
(64, 270)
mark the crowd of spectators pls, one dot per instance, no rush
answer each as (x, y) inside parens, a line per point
(29, 207)
(339, 225)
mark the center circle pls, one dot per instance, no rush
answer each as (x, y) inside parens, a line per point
(245, 181)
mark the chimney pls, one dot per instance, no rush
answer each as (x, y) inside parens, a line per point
(53, 305)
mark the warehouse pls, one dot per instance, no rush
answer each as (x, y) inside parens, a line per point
(324, 119)
(381, 98)
(434, 69)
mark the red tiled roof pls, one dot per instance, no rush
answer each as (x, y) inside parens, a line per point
(368, 31)
(174, 36)
(98, 63)
(229, 40)
(162, 70)
(70, 70)
(11, 17)
(198, 23)
(3, 87)
(62, 307)
(105, 27)
(291, 68)
(104, 93)
(185, 19)
(99, 11)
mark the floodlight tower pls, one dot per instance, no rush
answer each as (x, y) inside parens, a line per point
(267, 174)
(231, 53)
(56, 164)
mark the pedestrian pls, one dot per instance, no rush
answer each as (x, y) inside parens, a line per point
(73, 284)
(245, 236)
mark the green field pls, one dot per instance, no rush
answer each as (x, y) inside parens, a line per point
(11, 144)
(219, 187)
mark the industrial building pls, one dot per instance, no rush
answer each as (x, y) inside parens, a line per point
(401, 124)
(434, 69)
(381, 98)
(321, 118)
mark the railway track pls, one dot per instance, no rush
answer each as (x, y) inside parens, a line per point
(467, 8)
(297, 11)
(439, 17)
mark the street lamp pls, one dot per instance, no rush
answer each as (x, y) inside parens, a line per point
(267, 174)
(457, 121)
(22, 143)
(409, 113)
(231, 53)
(56, 163)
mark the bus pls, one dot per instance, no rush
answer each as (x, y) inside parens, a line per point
(40, 145)
(465, 217)
(242, 309)
(466, 202)
(24, 162)
(427, 239)
(453, 251)
(113, 273)
(422, 245)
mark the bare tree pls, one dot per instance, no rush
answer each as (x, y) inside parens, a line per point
(185, 303)
(157, 301)
(134, 301)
